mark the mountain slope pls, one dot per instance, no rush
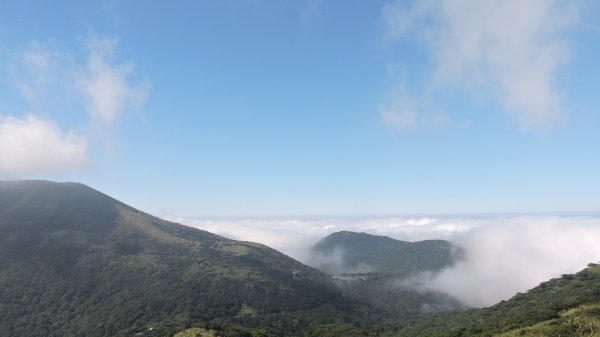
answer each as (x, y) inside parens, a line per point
(350, 252)
(565, 306)
(76, 262)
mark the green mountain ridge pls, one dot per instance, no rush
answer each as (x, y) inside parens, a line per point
(375, 269)
(76, 262)
(347, 252)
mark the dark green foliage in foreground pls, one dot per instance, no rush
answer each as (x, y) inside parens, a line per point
(581, 321)
(340, 329)
(75, 262)
(350, 252)
(212, 329)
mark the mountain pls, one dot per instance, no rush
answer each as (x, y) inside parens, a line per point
(349, 252)
(378, 270)
(76, 262)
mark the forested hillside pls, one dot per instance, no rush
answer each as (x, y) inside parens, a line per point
(76, 262)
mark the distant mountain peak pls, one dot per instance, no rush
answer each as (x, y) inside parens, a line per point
(350, 252)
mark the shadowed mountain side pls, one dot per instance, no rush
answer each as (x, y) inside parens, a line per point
(75, 262)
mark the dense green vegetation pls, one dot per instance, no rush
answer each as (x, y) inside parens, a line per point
(583, 320)
(349, 252)
(390, 294)
(211, 329)
(75, 262)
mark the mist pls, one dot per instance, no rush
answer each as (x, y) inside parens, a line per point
(504, 255)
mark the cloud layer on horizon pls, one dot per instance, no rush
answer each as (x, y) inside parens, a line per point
(294, 236)
(504, 255)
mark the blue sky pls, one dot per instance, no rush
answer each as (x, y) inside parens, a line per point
(306, 108)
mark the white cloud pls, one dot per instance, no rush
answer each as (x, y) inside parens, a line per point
(401, 20)
(400, 111)
(504, 255)
(511, 49)
(507, 256)
(107, 85)
(42, 73)
(55, 81)
(290, 236)
(33, 145)
(46, 73)
(294, 236)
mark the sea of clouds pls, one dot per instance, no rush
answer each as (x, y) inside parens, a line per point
(504, 254)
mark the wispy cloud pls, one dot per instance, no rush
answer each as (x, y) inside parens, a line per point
(98, 83)
(402, 110)
(51, 80)
(311, 10)
(106, 84)
(511, 49)
(33, 146)
(43, 73)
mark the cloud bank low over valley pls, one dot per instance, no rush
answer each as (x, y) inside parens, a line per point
(504, 254)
